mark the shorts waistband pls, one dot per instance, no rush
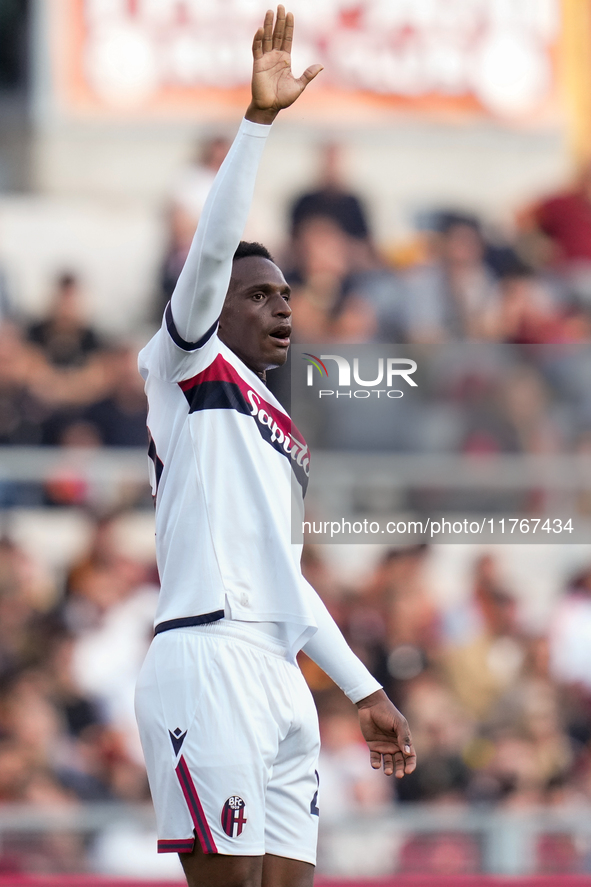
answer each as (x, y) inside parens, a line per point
(239, 631)
(187, 621)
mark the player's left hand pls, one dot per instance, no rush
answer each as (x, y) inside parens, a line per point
(387, 734)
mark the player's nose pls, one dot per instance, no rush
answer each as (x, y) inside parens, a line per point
(281, 308)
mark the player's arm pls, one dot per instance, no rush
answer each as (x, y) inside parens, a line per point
(384, 728)
(197, 301)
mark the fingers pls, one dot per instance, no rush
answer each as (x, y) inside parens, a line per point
(410, 762)
(309, 74)
(408, 757)
(257, 45)
(399, 767)
(394, 763)
(288, 33)
(278, 37)
(280, 25)
(268, 31)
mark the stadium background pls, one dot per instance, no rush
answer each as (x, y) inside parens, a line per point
(432, 188)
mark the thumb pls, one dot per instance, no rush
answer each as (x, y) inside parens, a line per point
(309, 74)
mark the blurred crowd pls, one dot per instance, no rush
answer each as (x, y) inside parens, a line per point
(456, 280)
(500, 716)
(500, 712)
(71, 644)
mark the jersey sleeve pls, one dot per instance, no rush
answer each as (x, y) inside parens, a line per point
(329, 649)
(203, 282)
(170, 358)
(191, 317)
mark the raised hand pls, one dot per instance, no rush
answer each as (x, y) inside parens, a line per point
(387, 735)
(273, 85)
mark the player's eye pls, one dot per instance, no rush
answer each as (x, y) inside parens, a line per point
(258, 297)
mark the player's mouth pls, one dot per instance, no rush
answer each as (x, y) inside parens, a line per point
(281, 335)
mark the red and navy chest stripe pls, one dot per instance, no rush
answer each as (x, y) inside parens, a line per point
(220, 387)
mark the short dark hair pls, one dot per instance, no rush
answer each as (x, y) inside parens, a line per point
(246, 249)
(65, 280)
(445, 220)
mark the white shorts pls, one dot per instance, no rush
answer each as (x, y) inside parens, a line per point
(230, 736)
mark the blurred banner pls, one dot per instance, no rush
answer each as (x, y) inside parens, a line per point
(458, 59)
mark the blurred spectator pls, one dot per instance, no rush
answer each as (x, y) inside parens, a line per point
(26, 593)
(451, 296)
(349, 785)
(63, 336)
(67, 482)
(6, 307)
(532, 751)
(408, 619)
(70, 368)
(526, 312)
(187, 198)
(331, 199)
(342, 292)
(526, 401)
(21, 412)
(120, 419)
(556, 235)
(565, 218)
(325, 306)
(441, 729)
(109, 609)
(570, 653)
(486, 650)
(193, 181)
(106, 660)
(98, 401)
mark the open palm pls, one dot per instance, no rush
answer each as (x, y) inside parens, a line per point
(273, 85)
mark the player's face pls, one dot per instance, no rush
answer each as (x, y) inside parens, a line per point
(255, 322)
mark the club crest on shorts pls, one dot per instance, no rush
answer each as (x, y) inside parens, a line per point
(233, 818)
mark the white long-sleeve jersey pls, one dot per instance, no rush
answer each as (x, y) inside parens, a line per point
(229, 468)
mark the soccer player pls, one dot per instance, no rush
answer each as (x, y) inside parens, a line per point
(228, 726)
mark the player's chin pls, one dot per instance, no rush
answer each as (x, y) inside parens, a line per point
(276, 356)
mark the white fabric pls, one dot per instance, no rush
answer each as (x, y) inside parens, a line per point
(233, 466)
(223, 531)
(329, 649)
(245, 727)
(192, 188)
(203, 283)
(106, 660)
